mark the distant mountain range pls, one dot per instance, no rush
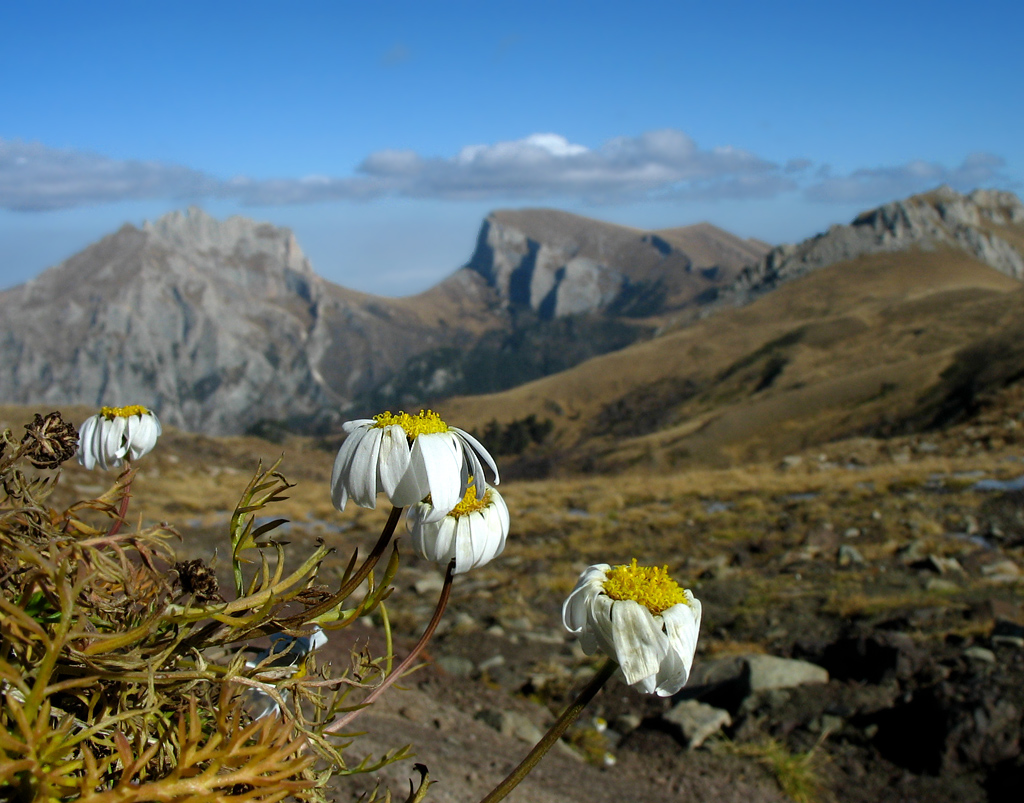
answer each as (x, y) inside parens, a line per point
(223, 326)
(907, 319)
(618, 344)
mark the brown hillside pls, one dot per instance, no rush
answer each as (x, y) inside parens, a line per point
(846, 349)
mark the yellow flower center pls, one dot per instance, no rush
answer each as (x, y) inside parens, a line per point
(649, 585)
(110, 413)
(426, 422)
(469, 503)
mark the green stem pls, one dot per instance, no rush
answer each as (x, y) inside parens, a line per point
(554, 733)
(442, 603)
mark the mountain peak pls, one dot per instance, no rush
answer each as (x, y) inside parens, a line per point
(986, 224)
(195, 231)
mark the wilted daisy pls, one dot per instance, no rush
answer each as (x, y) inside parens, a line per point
(287, 651)
(408, 457)
(640, 617)
(115, 433)
(473, 532)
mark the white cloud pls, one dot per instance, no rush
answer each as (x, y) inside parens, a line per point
(34, 177)
(656, 165)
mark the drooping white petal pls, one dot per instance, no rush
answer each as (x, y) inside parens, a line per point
(682, 627)
(86, 449)
(141, 434)
(434, 470)
(362, 478)
(478, 448)
(501, 511)
(343, 467)
(639, 642)
(115, 446)
(394, 458)
(464, 552)
(444, 543)
(99, 439)
(599, 626)
(576, 605)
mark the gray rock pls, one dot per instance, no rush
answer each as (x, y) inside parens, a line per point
(512, 723)
(771, 672)
(849, 555)
(697, 721)
(456, 665)
(982, 654)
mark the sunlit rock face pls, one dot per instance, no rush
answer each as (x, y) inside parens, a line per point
(216, 325)
(985, 224)
(559, 264)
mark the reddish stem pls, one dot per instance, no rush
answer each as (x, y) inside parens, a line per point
(442, 603)
(122, 509)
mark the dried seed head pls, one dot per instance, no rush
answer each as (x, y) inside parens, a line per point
(50, 440)
(199, 579)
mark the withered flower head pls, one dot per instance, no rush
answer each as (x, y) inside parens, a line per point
(199, 579)
(51, 440)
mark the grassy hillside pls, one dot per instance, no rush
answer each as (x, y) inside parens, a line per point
(849, 349)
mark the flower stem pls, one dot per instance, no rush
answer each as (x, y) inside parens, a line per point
(442, 603)
(353, 582)
(554, 733)
(122, 509)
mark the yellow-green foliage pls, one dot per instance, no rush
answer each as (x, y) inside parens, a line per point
(124, 675)
(798, 774)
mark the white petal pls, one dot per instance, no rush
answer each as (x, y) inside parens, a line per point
(362, 474)
(599, 624)
(574, 609)
(142, 434)
(501, 510)
(433, 469)
(394, 458)
(99, 440)
(478, 447)
(114, 444)
(86, 450)
(444, 542)
(640, 644)
(342, 468)
(465, 557)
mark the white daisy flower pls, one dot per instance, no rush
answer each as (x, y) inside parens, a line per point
(116, 433)
(473, 532)
(641, 618)
(287, 651)
(408, 457)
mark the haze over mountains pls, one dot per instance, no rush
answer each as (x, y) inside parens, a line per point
(222, 325)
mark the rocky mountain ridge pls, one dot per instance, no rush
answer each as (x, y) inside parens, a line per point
(980, 223)
(217, 325)
(558, 264)
(223, 326)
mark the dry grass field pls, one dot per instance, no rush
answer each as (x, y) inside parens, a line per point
(856, 538)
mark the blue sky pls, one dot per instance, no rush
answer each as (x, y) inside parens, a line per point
(383, 133)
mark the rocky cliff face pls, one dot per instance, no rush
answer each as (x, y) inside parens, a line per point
(987, 224)
(558, 264)
(215, 325)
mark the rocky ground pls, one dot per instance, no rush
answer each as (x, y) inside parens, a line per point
(863, 633)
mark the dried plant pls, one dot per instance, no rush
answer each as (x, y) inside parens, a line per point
(124, 673)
